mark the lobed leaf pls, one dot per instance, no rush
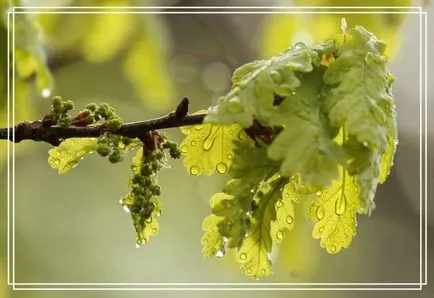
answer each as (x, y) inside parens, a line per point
(334, 211)
(69, 153)
(209, 147)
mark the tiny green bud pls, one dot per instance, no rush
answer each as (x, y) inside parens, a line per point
(115, 156)
(65, 121)
(175, 153)
(57, 102)
(114, 124)
(91, 107)
(156, 190)
(103, 149)
(68, 105)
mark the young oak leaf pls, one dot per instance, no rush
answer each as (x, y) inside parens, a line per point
(212, 240)
(306, 136)
(253, 255)
(67, 155)
(334, 211)
(359, 96)
(254, 86)
(209, 147)
(285, 215)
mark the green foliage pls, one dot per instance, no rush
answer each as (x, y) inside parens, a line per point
(208, 147)
(67, 155)
(142, 201)
(324, 124)
(314, 123)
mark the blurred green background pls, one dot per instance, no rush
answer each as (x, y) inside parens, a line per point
(70, 228)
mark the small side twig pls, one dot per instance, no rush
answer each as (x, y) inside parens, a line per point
(54, 135)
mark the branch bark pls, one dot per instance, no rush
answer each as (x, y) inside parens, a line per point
(54, 135)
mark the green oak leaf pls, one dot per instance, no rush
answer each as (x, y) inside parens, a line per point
(334, 212)
(255, 84)
(209, 147)
(69, 153)
(306, 136)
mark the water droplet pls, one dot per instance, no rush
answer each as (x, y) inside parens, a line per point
(242, 135)
(289, 219)
(46, 92)
(340, 205)
(276, 76)
(279, 203)
(320, 213)
(210, 139)
(220, 254)
(230, 156)
(56, 162)
(333, 249)
(193, 143)
(222, 168)
(279, 235)
(243, 256)
(154, 230)
(195, 170)
(184, 149)
(126, 209)
(235, 105)
(198, 127)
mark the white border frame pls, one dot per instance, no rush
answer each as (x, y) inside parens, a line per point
(423, 152)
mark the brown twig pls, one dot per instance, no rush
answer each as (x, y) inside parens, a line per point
(54, 135)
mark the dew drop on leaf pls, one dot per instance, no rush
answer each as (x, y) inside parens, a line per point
(242, 135)
(276, 76)
(230, 156)
(279, 203)
(198, 127)
(221, 168)
(289, 219)
(194, 170)
(279, 235)
(56, 162)
(220, 254)
(340, 205)
(333, 249)
(154, 230)
(319, 213)
(193, 143)
(243, 256)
